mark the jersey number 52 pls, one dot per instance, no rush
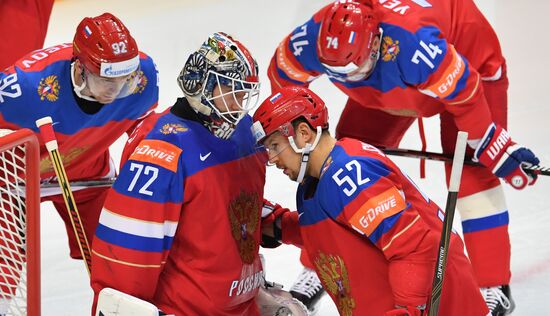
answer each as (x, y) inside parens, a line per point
(350, 185)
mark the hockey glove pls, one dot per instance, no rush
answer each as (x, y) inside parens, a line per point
(271, 224)
(498, 152)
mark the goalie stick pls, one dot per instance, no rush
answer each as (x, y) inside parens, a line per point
(443, 249)
(534, 169)
(48, 135)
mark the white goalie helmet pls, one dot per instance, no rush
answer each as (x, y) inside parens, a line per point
(221, 62)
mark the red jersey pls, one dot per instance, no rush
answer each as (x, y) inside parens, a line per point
(39, 85)
(181, 225)
(372, 237)
(433, 57)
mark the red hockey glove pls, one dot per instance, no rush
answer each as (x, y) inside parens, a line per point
(271, 224)
(406, 311)
(498, 152)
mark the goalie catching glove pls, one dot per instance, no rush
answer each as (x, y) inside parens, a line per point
(497, 151)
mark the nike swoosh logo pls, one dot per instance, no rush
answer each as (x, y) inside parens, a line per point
(203, 158)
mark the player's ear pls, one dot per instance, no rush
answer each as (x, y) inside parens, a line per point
(305, 132)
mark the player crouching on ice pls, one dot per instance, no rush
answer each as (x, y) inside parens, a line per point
(371, 234)
(180, 229)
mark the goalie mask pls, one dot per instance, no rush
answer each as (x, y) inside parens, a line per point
(220, 80)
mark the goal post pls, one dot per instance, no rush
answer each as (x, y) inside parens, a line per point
(19, 223)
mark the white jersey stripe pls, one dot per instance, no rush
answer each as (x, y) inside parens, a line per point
(137, 227)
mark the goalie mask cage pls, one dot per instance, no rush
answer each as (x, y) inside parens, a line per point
(19, 223)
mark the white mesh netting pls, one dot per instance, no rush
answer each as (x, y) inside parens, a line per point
(13, 232)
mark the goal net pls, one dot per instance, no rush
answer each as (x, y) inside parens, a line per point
(19, 223)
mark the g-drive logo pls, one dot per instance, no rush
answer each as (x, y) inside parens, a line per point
(119, 69)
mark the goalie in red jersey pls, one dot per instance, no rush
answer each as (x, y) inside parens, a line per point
(181, 225)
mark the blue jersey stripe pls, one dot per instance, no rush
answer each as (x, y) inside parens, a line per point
(461, 84)
(384, 227)
(474, 225)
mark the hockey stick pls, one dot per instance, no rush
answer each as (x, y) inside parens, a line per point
(48, 135)
(454, 184)
(534, 169)
(106, 182)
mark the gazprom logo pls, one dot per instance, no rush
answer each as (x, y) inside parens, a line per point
(119, 69)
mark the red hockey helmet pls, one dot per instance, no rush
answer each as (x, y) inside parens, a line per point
(348, 30)
(278, 111)
(105, 47)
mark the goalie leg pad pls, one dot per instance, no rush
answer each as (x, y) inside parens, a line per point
(112, 302)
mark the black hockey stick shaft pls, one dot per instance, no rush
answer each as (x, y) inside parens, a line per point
(106, 182)
(535, 169)
(48, 135)
(443, 249)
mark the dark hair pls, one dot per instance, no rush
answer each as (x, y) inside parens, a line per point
(301, 119)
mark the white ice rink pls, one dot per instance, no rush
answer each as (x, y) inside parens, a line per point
(169, 30)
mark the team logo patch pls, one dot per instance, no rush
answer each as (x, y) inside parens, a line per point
(157, 152)
(142, 83)
(48, 88)
(244, 217)
(172, 128)
(66, 157)
(376, 209)
(334, 276)
(390, 49)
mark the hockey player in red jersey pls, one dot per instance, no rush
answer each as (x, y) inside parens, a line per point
(181, 226)
(398, 61)
(371, 235)
(95, 90)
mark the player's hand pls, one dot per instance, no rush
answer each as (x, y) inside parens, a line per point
(271, 224)
(497, 151)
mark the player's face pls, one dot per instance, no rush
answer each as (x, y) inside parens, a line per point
(281, 154)
(225, 100)
(105, 90)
